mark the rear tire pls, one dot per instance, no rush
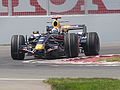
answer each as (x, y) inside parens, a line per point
(16, 42)
(92, 46)
(71, 45)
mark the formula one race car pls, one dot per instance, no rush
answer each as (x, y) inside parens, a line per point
(58, 42)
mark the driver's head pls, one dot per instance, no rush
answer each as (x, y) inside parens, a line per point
(55, 31)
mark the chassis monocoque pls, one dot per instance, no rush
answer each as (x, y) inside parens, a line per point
(51, 45)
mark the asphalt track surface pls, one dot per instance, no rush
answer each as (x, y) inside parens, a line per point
(16, 75)
(11, 69)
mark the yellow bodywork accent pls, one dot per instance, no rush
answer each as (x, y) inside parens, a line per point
(66, 26)
(39, 47)
(57, 24)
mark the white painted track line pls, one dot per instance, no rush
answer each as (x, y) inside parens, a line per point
(20, 79)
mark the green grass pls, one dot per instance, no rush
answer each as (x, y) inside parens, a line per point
(84, 84)
(114, 59)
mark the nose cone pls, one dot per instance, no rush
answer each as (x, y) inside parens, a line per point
(39, 47)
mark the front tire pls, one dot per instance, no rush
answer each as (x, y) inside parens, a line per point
(71, 45)
(16, 42)
(92, 46)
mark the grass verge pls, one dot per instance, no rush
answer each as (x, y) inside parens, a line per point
(114, 59)
(84, 84)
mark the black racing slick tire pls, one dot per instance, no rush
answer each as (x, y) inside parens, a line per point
(71, 45)
(92, 46)
(16, 42)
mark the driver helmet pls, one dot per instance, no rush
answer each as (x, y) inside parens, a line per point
(55, 31)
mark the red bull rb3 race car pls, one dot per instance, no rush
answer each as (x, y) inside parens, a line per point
(58, 42)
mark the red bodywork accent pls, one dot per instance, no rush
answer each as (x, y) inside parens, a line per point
(61, 37)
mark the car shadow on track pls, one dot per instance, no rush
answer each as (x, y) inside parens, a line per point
(50, 59)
